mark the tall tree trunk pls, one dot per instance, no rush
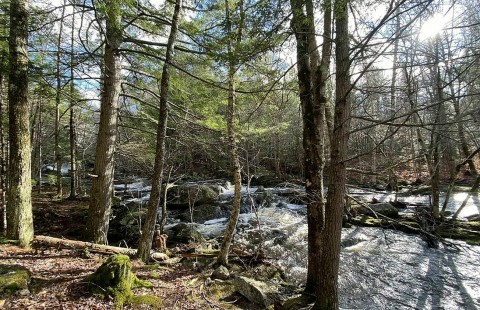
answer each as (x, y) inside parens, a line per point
(145, 243)
(327, 290)
(313, 73)
(58, 155)
(19, 208)
(436, 135)
(3, 170)
(102, 186)
(40, 147)
(222, 258)
(73, 134)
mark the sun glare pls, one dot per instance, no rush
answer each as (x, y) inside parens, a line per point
(432, 26)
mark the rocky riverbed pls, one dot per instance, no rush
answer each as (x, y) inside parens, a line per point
(380, 268)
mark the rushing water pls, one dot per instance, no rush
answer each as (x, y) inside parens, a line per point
(380, 269)
(472, 206)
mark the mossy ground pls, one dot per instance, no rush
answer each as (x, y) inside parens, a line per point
(13, 278)
(4, 240)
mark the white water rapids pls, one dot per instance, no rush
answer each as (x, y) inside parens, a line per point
(379, 269)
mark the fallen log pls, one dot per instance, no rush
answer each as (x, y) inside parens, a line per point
(93, 247)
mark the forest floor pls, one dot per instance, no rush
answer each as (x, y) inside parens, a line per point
(183, 283)
(58, 274)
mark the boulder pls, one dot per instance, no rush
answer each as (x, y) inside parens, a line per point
(266, 180)
(384, 208)
(255, 291)
(263, 197)
(193, 194)
(184, 233)
(14, 279)
(126, 220)
(221, 273)
(204, 213)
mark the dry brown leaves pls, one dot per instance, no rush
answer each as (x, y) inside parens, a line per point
(57, 282)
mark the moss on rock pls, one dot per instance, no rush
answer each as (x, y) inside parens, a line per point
(153, 302)
(13, 278)
(115, 278)
(469, 236)
(295, 303)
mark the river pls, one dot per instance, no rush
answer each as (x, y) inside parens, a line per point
(380, 268)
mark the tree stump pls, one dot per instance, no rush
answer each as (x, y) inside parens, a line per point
(115, 278)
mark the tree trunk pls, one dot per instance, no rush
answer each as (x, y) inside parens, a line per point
(73, 134)
(460, 126)
(58, 155)
(102, 185)
(40, 147)
(145, 243)
(436, 136)
(327, 290)
(98, 248)
(3, 170)
(222, 258)
(19, 208)
(312, 77)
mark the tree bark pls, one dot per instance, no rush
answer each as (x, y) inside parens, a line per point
(99, 248)
(222, 258)
(3, 170)
(313, 74)
(327, 290)
(19, 208)
(145, 243)
(73, 133)
(102, 186)
(58, 155)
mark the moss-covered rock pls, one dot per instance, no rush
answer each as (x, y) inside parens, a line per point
(153, 302)
(266, 273)
(193, 194)
(115, 278)
(466, 231)
(457, 232)
(296, 303)
(14, 278)
(258, 292)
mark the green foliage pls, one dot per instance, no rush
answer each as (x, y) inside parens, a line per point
(4, 240)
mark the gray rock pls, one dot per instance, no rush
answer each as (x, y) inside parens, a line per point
(125, 223)
(384, 208)
(193, 194)
(221, 273)
(204, 213)
(255, 291)
(185, 233)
